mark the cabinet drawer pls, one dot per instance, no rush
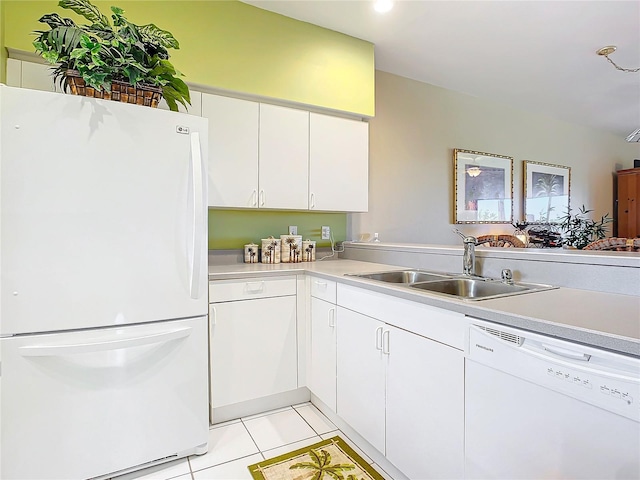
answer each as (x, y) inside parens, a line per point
(323, 289)
(230, 290)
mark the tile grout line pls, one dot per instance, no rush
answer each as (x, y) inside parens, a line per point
(223, 463)
(305, 421)
(190, 469)
(252, 439)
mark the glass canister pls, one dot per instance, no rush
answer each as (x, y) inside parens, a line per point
(271, 250)
(308, 250)
(251, 253)
(291, 248)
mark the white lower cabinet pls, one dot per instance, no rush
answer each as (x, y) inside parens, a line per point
(361, 375)
(322, 381)
(425, 406)
(253, 340)
(401, 391)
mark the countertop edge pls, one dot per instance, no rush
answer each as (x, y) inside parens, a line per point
(482, 310)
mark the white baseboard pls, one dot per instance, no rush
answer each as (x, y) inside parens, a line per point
(259, 405)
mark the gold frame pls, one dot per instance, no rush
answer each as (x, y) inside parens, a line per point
(545, 169)
(463, 165)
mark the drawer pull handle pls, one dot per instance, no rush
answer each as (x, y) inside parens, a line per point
(379, 338)
(255, 287)
(321, 284)
(332, 317)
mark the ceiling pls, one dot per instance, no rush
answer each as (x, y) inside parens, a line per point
(537, 55)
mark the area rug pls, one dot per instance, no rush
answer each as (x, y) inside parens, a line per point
(331, 459)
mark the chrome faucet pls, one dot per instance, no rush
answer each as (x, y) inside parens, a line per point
(469, 256)
(507, 276)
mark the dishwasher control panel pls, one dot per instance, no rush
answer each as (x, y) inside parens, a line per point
(601, 378)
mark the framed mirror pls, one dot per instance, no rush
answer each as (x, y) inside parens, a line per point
(546, 192)
(483, 187)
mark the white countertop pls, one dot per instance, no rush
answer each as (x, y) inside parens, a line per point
(603, 320)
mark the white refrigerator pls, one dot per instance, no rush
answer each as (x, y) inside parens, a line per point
(103, 286)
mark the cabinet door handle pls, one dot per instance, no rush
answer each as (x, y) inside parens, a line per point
(262, 198)
(312, 201)
(254, 199)
(332, 317)
(213, 315)
(379, 338)
(385, 344)
(255, 287)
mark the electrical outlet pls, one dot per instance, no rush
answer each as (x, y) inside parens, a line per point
(326, 232)
(293, 229)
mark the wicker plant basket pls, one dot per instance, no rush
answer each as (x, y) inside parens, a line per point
(120, 91)
(616, 244)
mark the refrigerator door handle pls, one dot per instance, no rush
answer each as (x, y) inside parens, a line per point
(198, 215)
(103, 345)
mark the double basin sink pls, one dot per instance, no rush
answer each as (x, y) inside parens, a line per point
(458, 286)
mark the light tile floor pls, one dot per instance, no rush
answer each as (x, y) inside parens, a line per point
(239, 443)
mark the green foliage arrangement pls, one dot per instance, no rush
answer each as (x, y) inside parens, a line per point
(104, 51)
(579, 230)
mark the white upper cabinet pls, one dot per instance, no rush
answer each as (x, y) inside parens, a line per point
(233, 151)
(283, 158)
(338, 164)
(265, 156)
(36, 76)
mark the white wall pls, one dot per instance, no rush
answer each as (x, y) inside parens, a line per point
(412, 138)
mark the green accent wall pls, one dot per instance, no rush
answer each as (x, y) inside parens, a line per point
(230, 229)
(239, 47)
(3, 52)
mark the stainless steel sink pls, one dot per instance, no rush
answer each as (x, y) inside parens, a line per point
(403, 276)
(457, 286)
(477, 289)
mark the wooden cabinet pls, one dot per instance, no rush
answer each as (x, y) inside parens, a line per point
(338, 164)
(252, 339)
(628, 199)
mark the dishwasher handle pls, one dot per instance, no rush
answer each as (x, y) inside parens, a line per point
(563, 352)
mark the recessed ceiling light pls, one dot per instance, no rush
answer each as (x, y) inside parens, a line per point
(383, 6)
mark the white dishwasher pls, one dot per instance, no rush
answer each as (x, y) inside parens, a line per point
(537, 407)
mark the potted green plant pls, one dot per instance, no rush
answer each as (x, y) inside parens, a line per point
(579, 230)
(103, 53)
